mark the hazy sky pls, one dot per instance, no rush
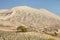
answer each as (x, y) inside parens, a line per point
(51, 5)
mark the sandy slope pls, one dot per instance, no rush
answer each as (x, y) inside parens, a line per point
(25, 36)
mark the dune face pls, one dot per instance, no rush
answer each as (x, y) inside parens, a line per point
(37, 20)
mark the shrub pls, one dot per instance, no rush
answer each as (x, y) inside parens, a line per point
(49, 32)
(21, 29)
(55, 34)
(51, 39)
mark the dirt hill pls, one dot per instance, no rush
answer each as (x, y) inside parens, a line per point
(36, 20)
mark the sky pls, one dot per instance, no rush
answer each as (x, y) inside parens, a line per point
(51, 5)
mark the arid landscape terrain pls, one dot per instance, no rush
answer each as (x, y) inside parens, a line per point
(27, 23)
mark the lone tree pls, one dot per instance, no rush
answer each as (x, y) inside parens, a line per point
(21, 29)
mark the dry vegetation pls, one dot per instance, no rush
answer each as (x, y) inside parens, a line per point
(24, 36)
